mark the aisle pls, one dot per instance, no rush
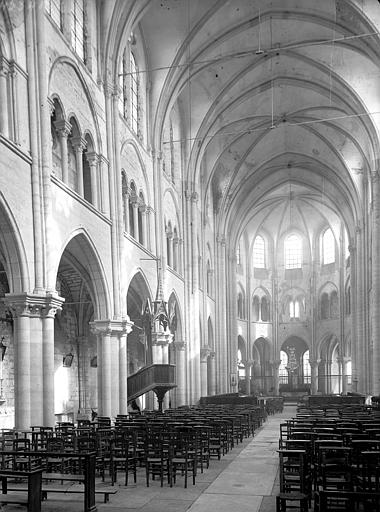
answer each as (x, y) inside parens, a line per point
(244, 479)
(248, 482)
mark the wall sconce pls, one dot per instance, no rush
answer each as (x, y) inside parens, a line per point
(68, 360)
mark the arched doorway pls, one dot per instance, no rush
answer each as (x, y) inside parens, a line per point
(81, 283)
(295, 372)
(138, 344)
(262, 371)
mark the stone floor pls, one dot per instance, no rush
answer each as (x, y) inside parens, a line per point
(243, 480)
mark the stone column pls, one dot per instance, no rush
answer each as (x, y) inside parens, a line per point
(180, 361)
(4, 118)
(142, 209)
(63, 129)
(328, 363)
(108, 332)
(175, 254)
(123, 382)
(205, 351)
(169, 246)
(104, 186)
(212, 375)
(126, 209)
(34, 357)
(375, 317)
(221, 317)
(248, 365)
(276, 379)
(344, 361)
(79, 145)
(92, 159)
(135, 206)
(149, 212)
(35, 365)
(314, 376)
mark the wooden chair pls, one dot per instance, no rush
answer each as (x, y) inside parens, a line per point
(295, 472)
(184, 454)
(157, 456)
(123, 455)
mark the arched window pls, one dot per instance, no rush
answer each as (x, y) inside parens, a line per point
(325, 306)
(256, 308)
(293, 252)
(53, 8)
(169, 237)
(283, 372)
(134, 92)
(259, 252)
(78, 28)
(334, 304)
(132, 211)
(140, 213)
(264, 309)
(122, 84)
(294, 309)
(124, 191)
(328, 247)
(306, 367)
(175, 250)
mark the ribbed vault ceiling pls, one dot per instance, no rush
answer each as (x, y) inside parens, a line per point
(276, 96)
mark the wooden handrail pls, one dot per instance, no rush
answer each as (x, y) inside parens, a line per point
(149, 378)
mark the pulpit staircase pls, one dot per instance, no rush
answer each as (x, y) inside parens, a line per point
(154, 377)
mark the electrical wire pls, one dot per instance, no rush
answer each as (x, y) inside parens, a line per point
(265, 128)
(247, 53)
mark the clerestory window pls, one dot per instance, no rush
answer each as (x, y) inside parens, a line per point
(293, 252)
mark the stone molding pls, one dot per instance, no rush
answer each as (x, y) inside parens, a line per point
(33, 305)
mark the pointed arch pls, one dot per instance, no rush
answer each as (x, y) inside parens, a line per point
(12, 251)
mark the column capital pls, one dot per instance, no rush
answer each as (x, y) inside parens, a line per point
(180, 345)
(375, 176)
(63, 127)
(78, 143)
(194, 197)
(221, 239)
(108, 88)
(4, 66)
(92, 158)
(51, 106)
(24, 304)
(112, 327)
(204, 353)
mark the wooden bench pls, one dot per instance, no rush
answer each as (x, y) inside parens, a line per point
(31, 498)
(34, 498)
(64, 490)
(345, 500)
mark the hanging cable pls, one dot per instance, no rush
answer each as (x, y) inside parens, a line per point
(259, 51)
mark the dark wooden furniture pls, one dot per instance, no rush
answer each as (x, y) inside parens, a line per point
(32, 498)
